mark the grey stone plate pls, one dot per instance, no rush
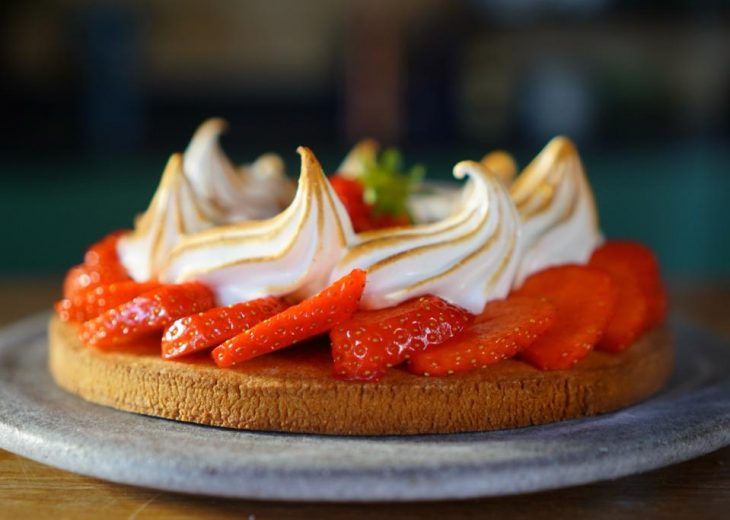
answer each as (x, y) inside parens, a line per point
(38, 420)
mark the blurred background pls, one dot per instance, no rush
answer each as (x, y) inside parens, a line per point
(97, 94)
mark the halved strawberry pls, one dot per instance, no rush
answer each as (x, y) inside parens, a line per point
(148, 312)
(501, 331)
(88, 304)
(101, 267)
(584, 298)
(370, 342)
(210, 328)
(311, 317)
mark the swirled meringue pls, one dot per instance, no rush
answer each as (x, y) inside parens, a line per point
(175, 211)
(557, 209)
(291, 254)
(255, 191)
(501, 164)
(467, 259)
(201, 189)
(469, 246)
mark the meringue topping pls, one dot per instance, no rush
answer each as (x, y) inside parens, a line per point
(557, 209)
(175, 211)
(291, 254)
(256, 191)
(355, 162)
(199, 190)
(467, 258)
(501, 164)
(226, 227)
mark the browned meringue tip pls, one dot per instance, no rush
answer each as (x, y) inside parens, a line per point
(501, 164)
(462, 167)
(216, 125)
(310, 164)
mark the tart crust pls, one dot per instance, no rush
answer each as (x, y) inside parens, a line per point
(294, 391)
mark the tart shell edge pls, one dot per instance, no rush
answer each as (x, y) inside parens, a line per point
(294, 391)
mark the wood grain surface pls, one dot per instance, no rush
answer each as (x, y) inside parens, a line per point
(694, 489)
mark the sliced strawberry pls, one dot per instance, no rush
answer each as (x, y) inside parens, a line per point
(101, 267)
(311, 317)
(351, 194)
(210, 328)
(584, 298)
(88, 304)
(501, 331)
(369, 342)
(640, 260)
(628, 264)
(105, 250)
(148, 312)
(78, 279)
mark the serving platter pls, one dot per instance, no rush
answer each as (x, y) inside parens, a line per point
(38, 420)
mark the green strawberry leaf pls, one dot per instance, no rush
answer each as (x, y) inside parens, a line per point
(387, 185)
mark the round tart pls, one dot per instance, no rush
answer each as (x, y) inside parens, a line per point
(294, 390)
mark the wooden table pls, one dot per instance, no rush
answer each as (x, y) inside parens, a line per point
(695, 489)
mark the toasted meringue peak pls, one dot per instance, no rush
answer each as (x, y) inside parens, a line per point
(290, 254)
(363, 153)
(256, 191)
(501, 164)
(557, 208)
(244, 233)
(175, 211)
(467, 258)
(267, 189)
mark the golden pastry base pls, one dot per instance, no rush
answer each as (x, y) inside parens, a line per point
(294, 391)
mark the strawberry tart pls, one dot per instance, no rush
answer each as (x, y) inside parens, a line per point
(364, 302)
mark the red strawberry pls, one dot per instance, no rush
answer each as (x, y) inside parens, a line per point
(369, 342)
(502, 330)
(362, 214)
(105, 250)
(631, 316)
(311, 317)
(88, 304)
(584, 298)
(147, 313)
(351, 194)
(657, 306)
(638, 259)
(101, 267)
(389, 221)
(210, 328)
(78, 279)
